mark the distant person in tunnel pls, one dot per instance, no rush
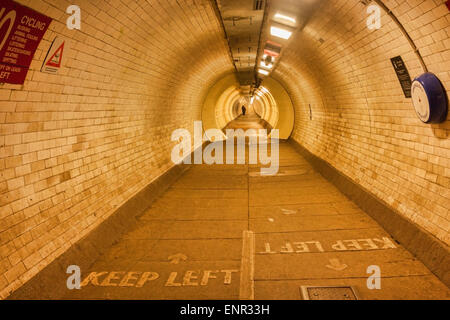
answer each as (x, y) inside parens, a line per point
(244, 110)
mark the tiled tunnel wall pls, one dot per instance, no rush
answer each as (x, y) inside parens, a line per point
(361, 122)
(75, 146)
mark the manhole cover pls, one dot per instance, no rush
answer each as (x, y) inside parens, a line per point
(329, 293)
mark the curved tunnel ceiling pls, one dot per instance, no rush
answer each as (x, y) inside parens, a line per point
(270, 101)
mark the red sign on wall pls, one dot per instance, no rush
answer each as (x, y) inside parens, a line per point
(21, 31)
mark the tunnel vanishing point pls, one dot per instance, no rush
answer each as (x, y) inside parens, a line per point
(348, 99)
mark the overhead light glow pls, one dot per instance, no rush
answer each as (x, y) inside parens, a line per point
(266, 55)
(264, 65)
(264, 72)
(283, 17)
(280, 33)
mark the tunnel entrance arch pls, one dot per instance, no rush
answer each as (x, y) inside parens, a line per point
(270, 103)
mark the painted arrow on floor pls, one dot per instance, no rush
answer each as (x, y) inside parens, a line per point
(335, 264)
(176, 258)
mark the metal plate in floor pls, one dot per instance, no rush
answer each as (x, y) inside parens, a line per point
(328, 293)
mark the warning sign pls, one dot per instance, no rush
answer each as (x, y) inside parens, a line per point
(21, 31)
(53, 60)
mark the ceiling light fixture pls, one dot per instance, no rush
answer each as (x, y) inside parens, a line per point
(264, 57)
(283, 17)
(264, 72)
(267, 66)
(280, 33)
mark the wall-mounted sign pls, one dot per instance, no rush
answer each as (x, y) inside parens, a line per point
(403, 75)
(54, 59)
(21, 31)
(429, 98)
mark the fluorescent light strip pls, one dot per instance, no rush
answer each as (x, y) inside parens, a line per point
(264, 72)
(283, 17)
(280, 33)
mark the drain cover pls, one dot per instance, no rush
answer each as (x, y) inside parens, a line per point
(329, 293)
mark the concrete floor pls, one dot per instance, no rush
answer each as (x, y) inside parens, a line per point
(249, 121)
(225, 232)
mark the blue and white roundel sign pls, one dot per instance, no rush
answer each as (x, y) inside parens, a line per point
(429, 98)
